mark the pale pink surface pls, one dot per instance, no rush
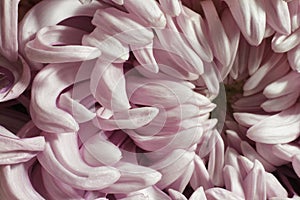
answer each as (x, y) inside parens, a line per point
(132, 99)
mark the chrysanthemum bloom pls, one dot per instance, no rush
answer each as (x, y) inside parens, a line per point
(127, 100)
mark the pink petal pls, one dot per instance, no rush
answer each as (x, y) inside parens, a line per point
(133, 178)
(270, 130)
(198, 194)
(266, 151)
(171, 7)
(9, 29)
(175, 195)
(97, 150)
(180, 46)
(97, 179)
(112, 50)
(49, 13)
(148, 11)
(193, 27)
(42, 49)
(252, 155)
(108, 85)
(129, 119)
(284, 43)
(12, 188)
(294, 58)
(216, 162)
(145, 57)
(233, 180)
(219, 40)
(251, 18)
(255, 183)
(278, 16)
(200, 176)
(125, 27)
(220, 193)
(43, 108)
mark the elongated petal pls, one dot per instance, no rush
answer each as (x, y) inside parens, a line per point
(129, 119)
(175, 195)
(266, 151)
(200, 176)
(148, 11)
(251, 18)
(8, 29)
(171, 7)
(15, 77)
(248, 119)
(220, 42)
(42, 48)
(252, 155)
(57, 189)
(271, 129)
(193, 27)
(53, 79)
(278, 16)
(233, 180)
(133, 178)
(182, 181)
(125, 27)
(146, 91)
(216, 162)
(150, 193)
(180, 46)
(145, 57)
(97, 150)
(283, 86)
(284, 43)
(255, 183)
(294, 58)
(98, 179)
(112, 50)
(286, 151)
(51, 13)
(12, 187)
(108, 85)
(220, 193)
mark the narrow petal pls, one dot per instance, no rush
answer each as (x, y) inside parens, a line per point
(97, 151)
(175, 195)
(220, 193)
(112, 50)
(42, 49)
(284, 43)
(278, 16)
(233, 180)
(101, 178)
(294, 58)
(171, 7)
(193, 27)
(266, 151)
(108, 85)
(125, 27)
(252, 155)
(145, 57)
(43, 108)
(9, 29)
(12, 187)
(219, 40)
(251, 18)
(198, 194)
(269, 130)
(255, 183)
(133, 178)
(129, 119)
(200, 176)
(149, 11)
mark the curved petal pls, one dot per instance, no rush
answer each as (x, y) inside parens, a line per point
(97, 179)
(125, 27)
(42, 49)
(294, 58)
(270, 130)
(12, 188)
(108, 85)
(133, 178)
(149, 11)
(171, 7)
(251, 18)
(220, 193)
